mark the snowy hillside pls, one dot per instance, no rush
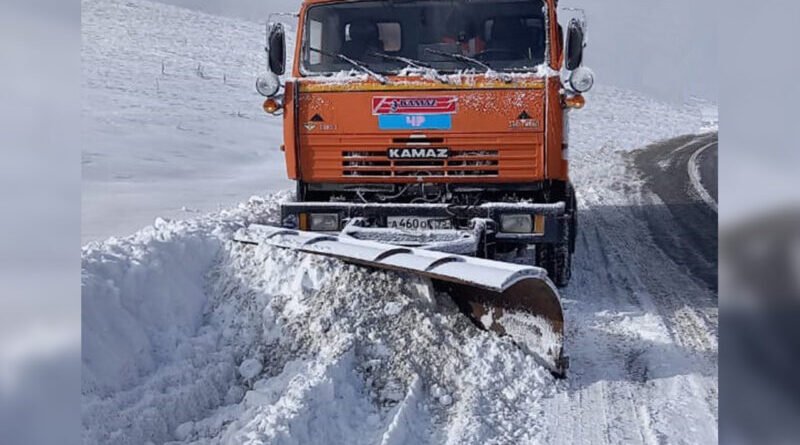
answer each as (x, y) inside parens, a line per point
(172, 123)
(190, 338)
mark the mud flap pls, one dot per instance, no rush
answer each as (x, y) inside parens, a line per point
(509, 299)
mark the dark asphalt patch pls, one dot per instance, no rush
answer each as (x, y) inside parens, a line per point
(688, 231)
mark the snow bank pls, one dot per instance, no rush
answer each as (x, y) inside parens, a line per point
(189, 337)
(147, 292)
(149, 360)
(370, 357)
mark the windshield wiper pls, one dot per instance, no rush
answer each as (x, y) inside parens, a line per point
(460, 58)
(467, 60)
(363, 67)
(414, 64)
(359, 65)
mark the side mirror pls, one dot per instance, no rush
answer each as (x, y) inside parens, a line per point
(276, 49)
(575, 45)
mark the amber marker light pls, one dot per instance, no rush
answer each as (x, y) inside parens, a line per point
(272, 106)
(577, 102)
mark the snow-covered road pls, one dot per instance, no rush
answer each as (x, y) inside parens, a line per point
(190, 338)
(643, 323)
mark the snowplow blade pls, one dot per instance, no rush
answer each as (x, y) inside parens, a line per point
(509, 299)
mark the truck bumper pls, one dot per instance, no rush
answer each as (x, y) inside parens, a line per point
(369, 221)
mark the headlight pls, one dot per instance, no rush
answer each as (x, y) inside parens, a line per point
(268, 86)
(516, 223)
(581, 80)
(324, 222)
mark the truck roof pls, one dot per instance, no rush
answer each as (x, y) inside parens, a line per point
(314, 2)
(333, 1)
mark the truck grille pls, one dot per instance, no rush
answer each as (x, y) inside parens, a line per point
(485, 163)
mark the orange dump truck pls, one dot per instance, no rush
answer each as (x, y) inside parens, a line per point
(431, 136)
(431, 122)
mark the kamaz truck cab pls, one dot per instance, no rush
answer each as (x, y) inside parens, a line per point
(439, 124)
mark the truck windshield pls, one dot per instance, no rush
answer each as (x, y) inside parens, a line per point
(505, 35)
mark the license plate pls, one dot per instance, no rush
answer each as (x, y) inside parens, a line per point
(417, 223)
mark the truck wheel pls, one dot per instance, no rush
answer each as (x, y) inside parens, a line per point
(573, 221)
(556, 259)
(487, 247)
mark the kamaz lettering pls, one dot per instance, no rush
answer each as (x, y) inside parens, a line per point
(414, 105)
(399, 104)
(419, 153)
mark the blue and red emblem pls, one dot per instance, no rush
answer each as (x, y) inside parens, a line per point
(415, 113)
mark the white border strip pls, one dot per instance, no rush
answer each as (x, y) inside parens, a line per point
(694, 177)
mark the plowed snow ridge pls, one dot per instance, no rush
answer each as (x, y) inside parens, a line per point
(189, 338)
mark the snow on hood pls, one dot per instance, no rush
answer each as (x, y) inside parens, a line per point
(410, 75)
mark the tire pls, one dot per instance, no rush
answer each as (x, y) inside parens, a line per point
(487, 248)
(572, 208)
(556, 259)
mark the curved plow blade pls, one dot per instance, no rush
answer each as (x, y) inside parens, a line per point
(509, 299)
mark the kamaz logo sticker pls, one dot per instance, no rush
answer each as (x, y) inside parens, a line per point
(414, 105)
(419, 153)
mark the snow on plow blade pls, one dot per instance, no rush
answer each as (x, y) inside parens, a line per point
(509, 299)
